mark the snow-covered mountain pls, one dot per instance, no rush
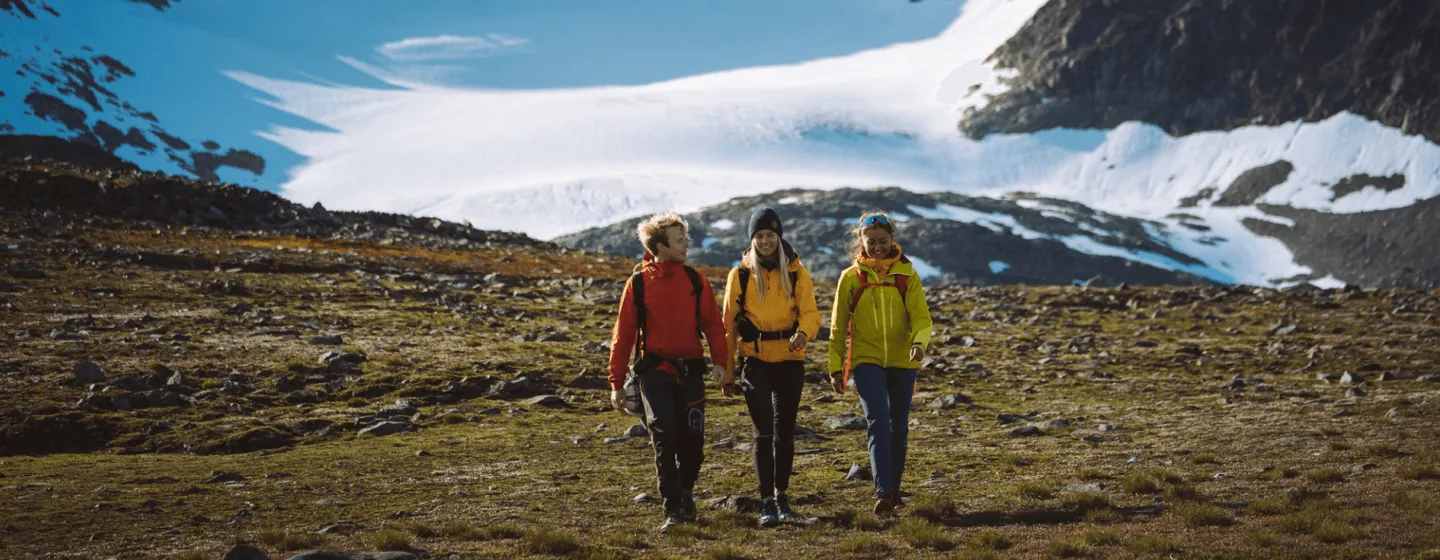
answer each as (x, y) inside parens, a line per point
(1254, 164)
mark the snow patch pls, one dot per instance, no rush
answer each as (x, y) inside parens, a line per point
(996, 267)
(924, 269)
(723, 224)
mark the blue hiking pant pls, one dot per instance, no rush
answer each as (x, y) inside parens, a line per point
(885, 397)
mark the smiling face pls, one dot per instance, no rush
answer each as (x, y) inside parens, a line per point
(678, 247)
(878, 242)
(765, 243)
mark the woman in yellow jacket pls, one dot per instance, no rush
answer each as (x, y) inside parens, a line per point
(881, 327)
(770, 309)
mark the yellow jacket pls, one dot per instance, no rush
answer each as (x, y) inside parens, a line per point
(776, 313)
(886, 325)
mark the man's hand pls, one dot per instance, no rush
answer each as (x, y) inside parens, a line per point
(616, 401)
(917, 353)
(798, 341)
(837, 382)
(724, 379)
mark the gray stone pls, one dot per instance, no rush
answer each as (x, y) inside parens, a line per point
(859, 472)
(332, 340)
(1056, 424)
(386, 428)
(724, 444)
(1025, 431)
(1091, 487)
(643, 498)
(846, 421)
(89, 372)
(547, 400)
(1008, 418)
(1351, 378)
(1355, 392)
(637, 430)
(1392, 413)
(245, 552)
(943, 402)
(610, 440)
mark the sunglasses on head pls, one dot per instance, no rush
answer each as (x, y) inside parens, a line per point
(876, 220)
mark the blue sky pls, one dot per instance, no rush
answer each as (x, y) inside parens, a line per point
(180, 54)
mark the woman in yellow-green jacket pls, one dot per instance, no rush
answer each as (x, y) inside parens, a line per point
(881, 327)
(770, 314)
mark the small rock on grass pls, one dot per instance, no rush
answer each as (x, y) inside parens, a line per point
(637, 430)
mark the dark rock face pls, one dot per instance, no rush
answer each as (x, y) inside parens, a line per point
(1193, 65)
(1384, 248)
(124, 193)
(1254, 183)
(1357, 183)
(815, 225)
(73, 89)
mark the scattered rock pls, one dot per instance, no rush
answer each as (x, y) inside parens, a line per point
(637, 430)
(846, 421)
(547, 400)
(331, 340)
(859, 472)
(643, 498)
(1355, 392)
(245, 552)
(723, 444)
(1351, 378)
(88, 372)
(219, 477)
(1056, 424)
(738, 504)
(1025, 431)
(1392, 413)
(386, 427)
(610, 440)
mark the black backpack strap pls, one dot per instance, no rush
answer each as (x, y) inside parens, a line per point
(637, 292)
(699, 290)
(744, 289)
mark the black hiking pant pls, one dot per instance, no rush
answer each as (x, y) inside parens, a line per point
(773, 397)
(675, 412)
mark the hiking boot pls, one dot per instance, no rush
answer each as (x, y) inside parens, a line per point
(671, 520)
(895, 500)
(884, 506)
(782, 505)
(687, 509)
(769, 514)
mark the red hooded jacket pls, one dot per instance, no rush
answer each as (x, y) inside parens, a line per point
(670, 318)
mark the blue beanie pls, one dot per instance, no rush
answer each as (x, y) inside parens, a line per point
(765, 218)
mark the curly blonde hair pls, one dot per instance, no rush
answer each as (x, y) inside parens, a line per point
(857, 235)
(652, 230)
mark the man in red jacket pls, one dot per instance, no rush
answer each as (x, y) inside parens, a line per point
(679, 308)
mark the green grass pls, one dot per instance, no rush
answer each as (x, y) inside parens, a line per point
(1085, 501)
(1099, 537)
(931, 507)
(551, 541)
(1420, 471)
(462, 531)
(390, 540)
(1091, 473)
(1336, 533)
(990, 539)
(1067, 548)
(1279, 473)
(1423, 503)
(1325, 476)
(1158, 543)
(1196, 514)
(1263, 539)
(1204, 459)
(1103, 516)
(726, 552)
(1140, 483)
(1274, 505)
(285, 541)
(922, 534)
(1036, 490)
(422, 530)
(863, 545)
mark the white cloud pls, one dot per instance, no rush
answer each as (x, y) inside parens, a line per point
(451, 47)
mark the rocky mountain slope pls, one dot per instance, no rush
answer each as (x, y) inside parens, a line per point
(1195, 65)
(960, 239)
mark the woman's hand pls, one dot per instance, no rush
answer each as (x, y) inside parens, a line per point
(837, 382)
(727, 381)
(615, 401)
(798, 341)
(917, 353)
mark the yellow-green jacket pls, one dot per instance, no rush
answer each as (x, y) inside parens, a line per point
(886, 325)
(776, 313)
